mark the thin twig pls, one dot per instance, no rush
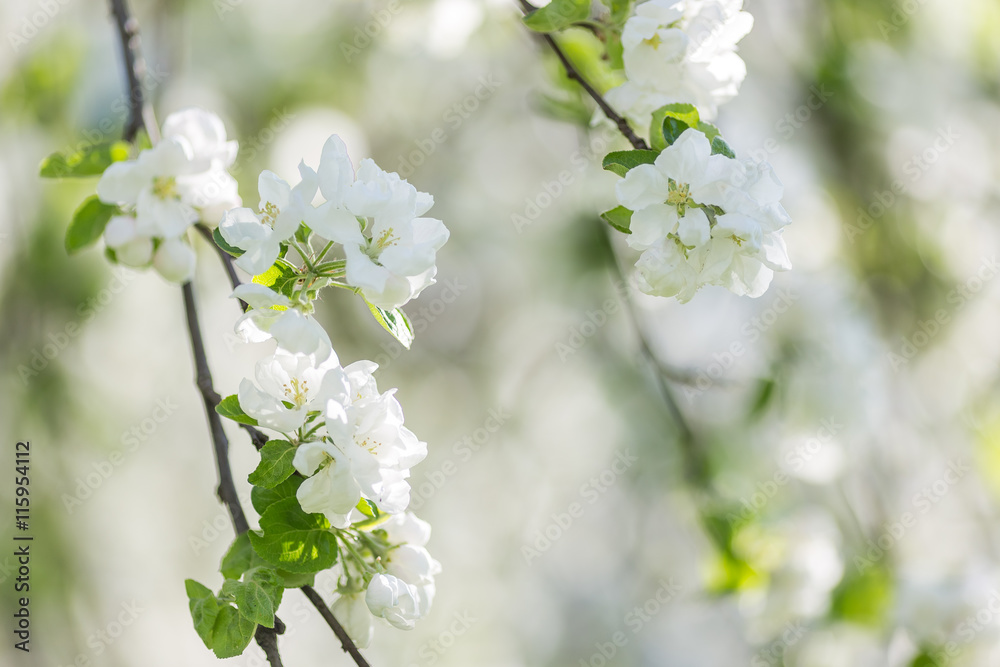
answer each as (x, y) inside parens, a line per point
(345, 641)
(573, 73)
(140, 115)
(227, 261)
(203, 378)
(694, 460)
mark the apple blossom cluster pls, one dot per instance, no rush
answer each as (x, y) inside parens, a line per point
(697, 214)
(681, 52)
(704, 219)
(180, 181)
(389, 248)
(332, 485)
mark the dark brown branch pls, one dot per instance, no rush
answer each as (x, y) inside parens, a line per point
(203, 378)
(227, 261)
(345, 641)
(140, 115)
(574, 74)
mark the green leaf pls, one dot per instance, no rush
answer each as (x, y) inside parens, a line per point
(293, 540)
(621, 162)
(204, 609)
(558, 14)
(262, 498)
(275, 464)
(241, 557)
(229, 407)
(231, 633)
(238, 559)
(620, 218)
(395, 322)
(257, 596)
(89, 161)
(720, 147)
(670, 122)
(368, 508)
(221, 242)
(709, 130)
(282, 277)
(88, 223)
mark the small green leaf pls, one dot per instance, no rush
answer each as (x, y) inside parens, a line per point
(293, 540)
(231, 633)
(229, 407)
(275, 464)
(262, 498)
(720, 147)
(222, 243)
(257, 596)
(89, 161)
(395, 322)
(238, 559)
(368, 508)
(621, 162)
(558, 14)
(709, 130)
(282, 277)
(620, 218)
(670, 122)
(88, 223)
(204, 609)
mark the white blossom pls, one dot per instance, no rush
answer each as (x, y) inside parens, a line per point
(681, 51)
(302, 380)
(394, 600)
(273, 315)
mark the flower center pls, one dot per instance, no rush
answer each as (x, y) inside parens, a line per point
(654, 41)
(385, 240)
(297, 391)
(679, 196)
(269, 214)
(165, 187)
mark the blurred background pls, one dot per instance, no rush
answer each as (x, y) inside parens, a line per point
(831, 497)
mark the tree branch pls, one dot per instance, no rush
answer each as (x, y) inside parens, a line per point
(345, 641)
(573, 73)
(140, 115)
(695, 465)
(227, 261)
